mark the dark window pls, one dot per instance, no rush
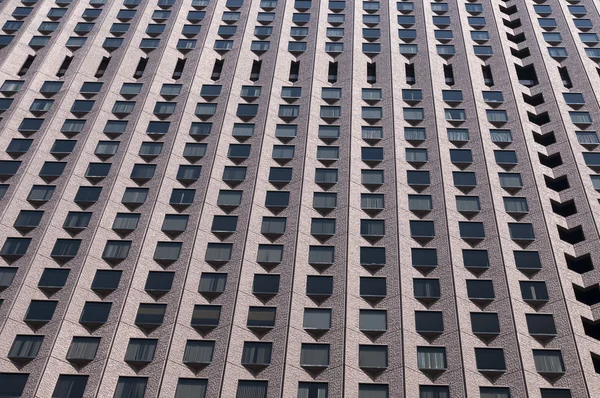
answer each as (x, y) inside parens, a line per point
(372, 288)
(182, 197)
(373, 391)
(125, 222)
(95, 313)
(372, 257)
(373, 358)
(319, 287)
(53, 279)
(494, 392)
(317, 319)
(134, 197)
(261, 318)
(426, 289)
(52, 170)
(231, 199)
(150, 316)
(191, 388)
(12, 385)
(252, 389)
(70, 386)
(159, 282)
(206, 317)
(40, 312)
(265, 284)
(480, 290)
(140, 351)
(424, 258)
(527, 261)
(256, 354)
(25, 348)
(14, 248)
(7, 274)
(212, 284)
(485, 324)
(87, 196)
(116, 250)
(62, 148)
(198, 353)
(106, 281)
(314, 356)
(175, 224)
(431, 358)
(131, 387)
(65, 249)
(422, 229)
(490, 360)
(167, 252)
(541, 325)
(28, 220)
(217, 253)
(475, 259)
(429, 323)
(534, 292)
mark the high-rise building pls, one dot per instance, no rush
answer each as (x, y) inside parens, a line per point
(299, 199)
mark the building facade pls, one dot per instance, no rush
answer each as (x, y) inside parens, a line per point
(295, 198)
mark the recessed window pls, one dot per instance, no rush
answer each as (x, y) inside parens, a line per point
(475, 259)
(83, 350)
(422, 229)
(191, 388)
(429, 323)
(206, 317)
(28, 220)
(317, 319)
(494, 392)
(167, 252)
(373, 390)
(25, 348)
(131, 387)
(485, 324)
(53, 279)
(13, 384)
(65, 249)
(261, 318)
(435, 392)
(314, 356)
(269, 255)
(431, 359)
(480, 290)
(252, 389)
(256, 354)
(106, 281)
(534, 291)
(424, 258)
(95, 314)
(321, 256)
(159, 282)
(490, 360)
(277, 199)
(373, 288)
(549, 363)
(198, 353)
(125, 223)
(527, 261)
(541, 326)
(150, 316)
(426, 289)
(319, 287)
(116, 250)
(15, 248)
(218, 253)
(373, 358)
(265, 285)
(140, 352)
